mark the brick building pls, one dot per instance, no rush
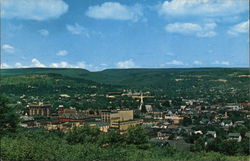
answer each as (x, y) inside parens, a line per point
(39, 109)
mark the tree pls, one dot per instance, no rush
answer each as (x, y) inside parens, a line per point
(114, 137)
(186, 121)
(9, 118)
(83, 134)
(244, 146)
(136, 135)
(230, 147)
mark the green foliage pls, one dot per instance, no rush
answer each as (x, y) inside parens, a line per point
(186, 121)
(112, 137)
(9, 118)
(43, 145)
(229, 147)
(188, 83)
(136, 135)
(83, 134)
(88, 143)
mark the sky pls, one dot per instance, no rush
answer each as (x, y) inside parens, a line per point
(100, 34)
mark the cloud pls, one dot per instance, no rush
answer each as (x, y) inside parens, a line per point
(65, 64)
(77, 29)
(36, 63)
(115, 11)
(170, 54)
(126, 64)
(206, 30)
(44, 32)
(19, 65)
(33, 9)
(62, 53)
(62, 64)
(221, 62)
(242, 27)
(209, 8)
(197, 62)
(175, 62)
(98, 67)
(82, 65)
(8, 48)
(5, 65)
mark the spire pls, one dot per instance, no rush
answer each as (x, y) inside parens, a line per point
(140, 107)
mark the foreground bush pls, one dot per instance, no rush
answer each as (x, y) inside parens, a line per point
(44, 145)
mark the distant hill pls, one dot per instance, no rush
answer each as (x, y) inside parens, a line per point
(71, 72)
(137, 77)
(215, 84)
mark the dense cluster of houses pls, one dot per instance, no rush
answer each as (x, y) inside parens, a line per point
(164, 126)
(65, 119)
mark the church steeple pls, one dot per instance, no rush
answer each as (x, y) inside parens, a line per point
(140, 107)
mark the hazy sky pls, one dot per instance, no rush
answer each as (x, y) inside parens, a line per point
(99, 34)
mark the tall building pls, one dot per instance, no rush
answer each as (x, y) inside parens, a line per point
(39, 109)
(117, 116)
(120, 119)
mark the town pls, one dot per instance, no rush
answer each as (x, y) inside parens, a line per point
(180, 126)
(74, 114)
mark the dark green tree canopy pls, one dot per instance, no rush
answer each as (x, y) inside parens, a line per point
(9, 118)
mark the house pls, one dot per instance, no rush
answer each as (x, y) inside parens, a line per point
(235, 136)
(227, 123)
(211, 133)
(27, 121)
(149, 108)
(157, 114)
(198, 132)
(163, 134)
(64, 96)
(176, 119)
(113, 94)
(239, 123)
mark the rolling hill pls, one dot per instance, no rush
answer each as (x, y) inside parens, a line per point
(216, 85)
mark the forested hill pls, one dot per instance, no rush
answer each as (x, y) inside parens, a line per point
(141, 77)
(216, 85)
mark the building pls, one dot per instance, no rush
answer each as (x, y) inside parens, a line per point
(39, 109)
(113, 94)
(124, 125)
(176, 119)
(62, 111)
(120, 119)
(117, 115)
(102, 126)
(211, 133)
(235, 136)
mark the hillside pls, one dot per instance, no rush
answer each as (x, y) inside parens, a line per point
(136, 77)
(216, 84)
